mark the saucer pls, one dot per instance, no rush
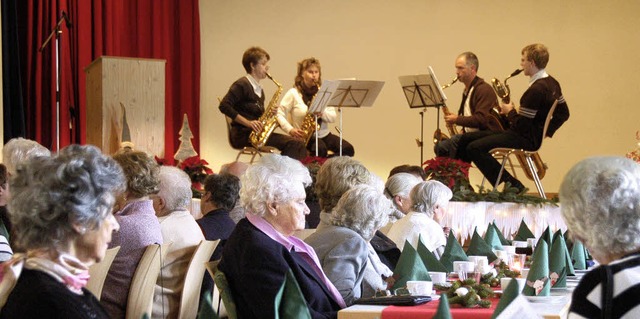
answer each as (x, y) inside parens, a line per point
(545, 299)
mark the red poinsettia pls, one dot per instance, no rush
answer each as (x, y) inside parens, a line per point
(451, 172)
(197, 170)
(313, 160)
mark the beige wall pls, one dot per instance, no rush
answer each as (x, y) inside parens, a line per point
(593, 47)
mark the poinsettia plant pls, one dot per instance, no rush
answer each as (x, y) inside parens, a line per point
(197, 170)
(635, 154)
(452, 172)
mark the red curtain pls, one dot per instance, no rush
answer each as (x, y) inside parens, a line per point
(158, 29)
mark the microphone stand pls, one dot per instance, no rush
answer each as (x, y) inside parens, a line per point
(57, 31)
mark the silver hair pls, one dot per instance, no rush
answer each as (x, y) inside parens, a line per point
(600, 203)
(175, 188)
(270, 181)
(362, 209)
(336, 176)
(19, 150)
(428, 195)
(49, 195)
(400, 184)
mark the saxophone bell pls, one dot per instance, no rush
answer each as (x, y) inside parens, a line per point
(502, 90)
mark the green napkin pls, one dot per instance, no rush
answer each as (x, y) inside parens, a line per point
(478, 247)
(452, 252)
(491, 237)
(409, 267)
(578, 255)
(429, 259)
(508, 295)
(570, 270)
(206, 309)
(289, 301)
(546, 236)
(523, 232)
(538, 283)
(503, 240)
(443, 308)
(558, 263)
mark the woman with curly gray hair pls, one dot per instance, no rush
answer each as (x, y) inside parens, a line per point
(261, 250)
(343, 247)
(600, 203)
(139, 227)
(429, 200)
(61, 211)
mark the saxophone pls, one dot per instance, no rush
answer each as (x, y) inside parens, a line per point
(453, 130)
(504, 93)
(268, 119)
(309, 125)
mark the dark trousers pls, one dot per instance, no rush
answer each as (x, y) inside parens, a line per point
(330, 143)
(287, 145)
(475, 146)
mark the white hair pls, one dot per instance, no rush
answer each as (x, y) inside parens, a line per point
(400, 184)
(600, 203)
(19, 150)
(175, 188)
(362, 209)
(270, 180)
(428, 195)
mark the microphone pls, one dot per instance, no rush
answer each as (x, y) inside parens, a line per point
(67, 20)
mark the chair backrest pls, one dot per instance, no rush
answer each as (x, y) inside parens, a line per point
(225, 292)
(98, 272)
(193, 279)
(229, 121)
(548, 120)
(140, 298)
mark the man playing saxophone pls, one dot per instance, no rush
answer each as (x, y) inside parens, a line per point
(526, 125)
(294, 118)
(244, 104)
(474, 114)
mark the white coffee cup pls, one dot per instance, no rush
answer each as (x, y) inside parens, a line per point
(438, 278)
(504, 282)
(476, 259)
(509, 249)
(420, 288)
(502, 255)
(520, 243)
(463, 265)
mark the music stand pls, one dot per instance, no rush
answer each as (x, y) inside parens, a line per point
(354, 93)
(320, 102)
(423, 91)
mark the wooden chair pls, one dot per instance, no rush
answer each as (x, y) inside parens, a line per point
(140, 298)
(505, 153)
(247, 150)
(216, 298)
(193, 279)
(225, 293)
(98, 272)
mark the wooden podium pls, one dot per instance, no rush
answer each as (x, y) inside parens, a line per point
(137, 84)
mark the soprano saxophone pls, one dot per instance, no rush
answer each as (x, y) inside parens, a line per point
(453, 130)
(309, 125)
(268, 119)
(504, 94)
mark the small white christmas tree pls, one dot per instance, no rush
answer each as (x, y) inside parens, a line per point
(186, 149)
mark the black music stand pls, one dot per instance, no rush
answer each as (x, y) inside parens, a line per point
(423, 91)
(354, 93)
(320, 102)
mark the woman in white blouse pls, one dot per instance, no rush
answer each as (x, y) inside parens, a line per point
(295, 105)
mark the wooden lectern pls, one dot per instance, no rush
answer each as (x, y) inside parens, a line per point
(137, 84)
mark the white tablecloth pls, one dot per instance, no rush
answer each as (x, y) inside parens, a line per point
(463, 217)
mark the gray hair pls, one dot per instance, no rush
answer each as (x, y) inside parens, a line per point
(271, 180)
(362, 209)
(224, 189)
(600, 202)
(19, 150)
(175, 188)
(400, 184)
(336, 176)
(49, 195)
(428, 195)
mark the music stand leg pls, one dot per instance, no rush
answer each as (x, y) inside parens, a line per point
(317, 129)
(340, 111)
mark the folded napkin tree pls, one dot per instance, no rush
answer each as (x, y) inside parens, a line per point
(478, 247)
(558, 263)
(546, 236)
(579, 255)
(524, 232)
(409, 267)
(567, 256)
(443, 308)
(452, 252)
(513, 305)
(429, 259)
(491, 237)
(504, 241)
(538, 283)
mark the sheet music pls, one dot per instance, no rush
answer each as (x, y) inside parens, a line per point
(323, 96)
(356, 93)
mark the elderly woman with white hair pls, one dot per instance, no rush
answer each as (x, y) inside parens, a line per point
(600, 203)
(262, 249)
(429, 201)
(61, 207)
(179, 228)
(343, 247)
(397, 189)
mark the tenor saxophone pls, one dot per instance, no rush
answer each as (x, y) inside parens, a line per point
(453, 130)
(504, 94)
(309, 126)
(268, 119)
